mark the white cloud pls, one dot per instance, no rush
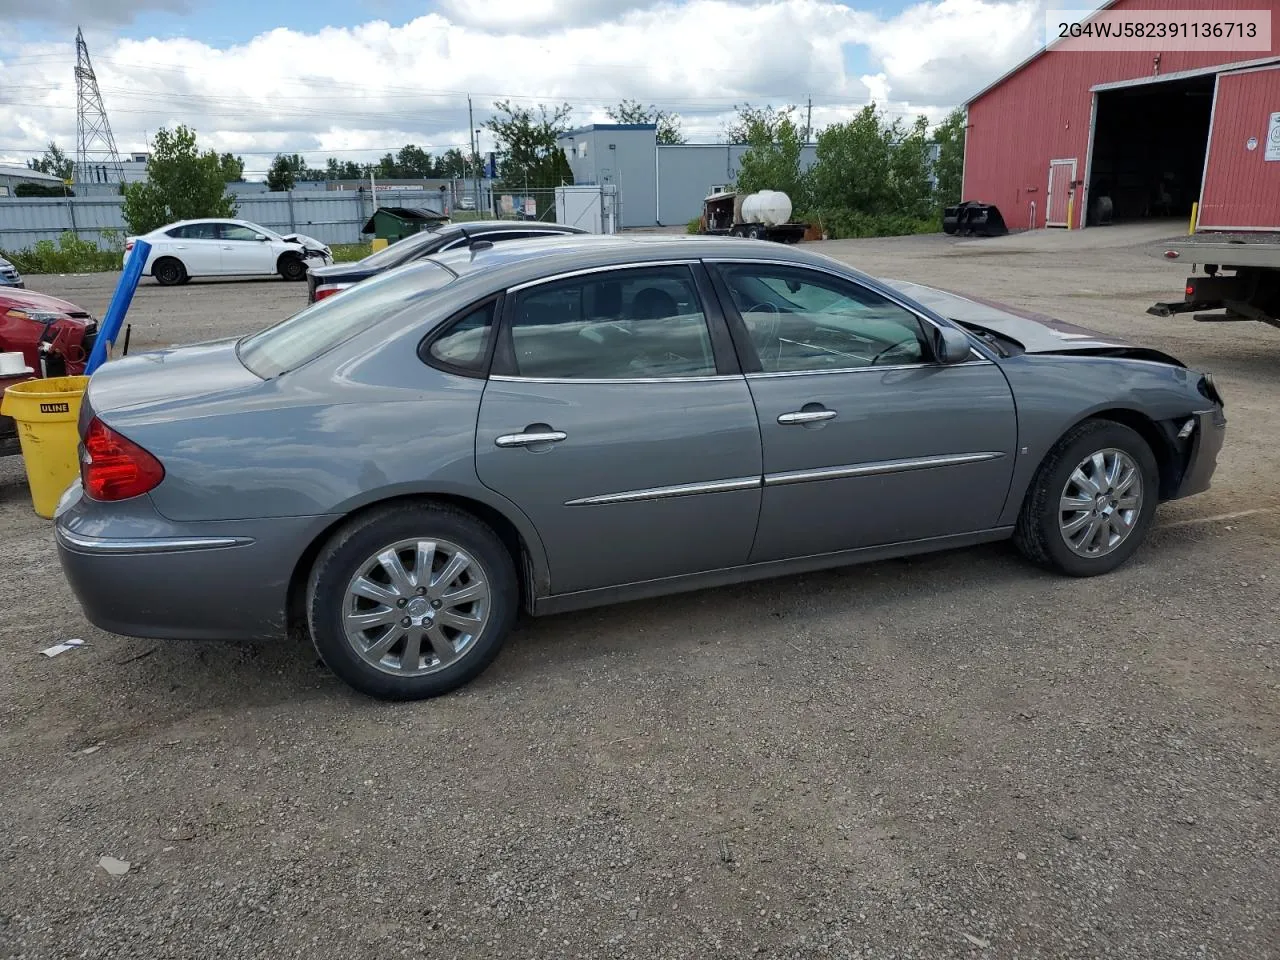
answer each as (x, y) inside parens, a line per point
(88, 12)
(378, 85)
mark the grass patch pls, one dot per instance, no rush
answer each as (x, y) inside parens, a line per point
(70, 254)
(349, 252)
(849, 224)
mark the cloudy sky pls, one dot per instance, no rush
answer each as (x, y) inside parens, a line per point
(354, 78)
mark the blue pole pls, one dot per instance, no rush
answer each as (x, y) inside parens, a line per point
(120, 301)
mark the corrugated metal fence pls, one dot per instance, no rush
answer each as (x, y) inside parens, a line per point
(334, 216)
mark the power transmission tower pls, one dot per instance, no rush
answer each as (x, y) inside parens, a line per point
(97, 160)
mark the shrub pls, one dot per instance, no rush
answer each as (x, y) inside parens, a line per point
(70, 254)
(349, 252)
(849, 224)
(694, 225)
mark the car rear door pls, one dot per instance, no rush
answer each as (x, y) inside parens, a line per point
(615, 416)
(867, 440)
(197, 246)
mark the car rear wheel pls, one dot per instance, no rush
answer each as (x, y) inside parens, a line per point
(169, 271)
(293, 268)
(411, 602)
(1092, 501)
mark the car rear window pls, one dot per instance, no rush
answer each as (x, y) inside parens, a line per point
(402, 250)
(323, 325)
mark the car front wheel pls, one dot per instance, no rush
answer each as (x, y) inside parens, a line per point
(293, 268)
(411, 602)
(1092, 501)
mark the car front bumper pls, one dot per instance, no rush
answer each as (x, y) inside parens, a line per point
(1205, 442)
(139, 575)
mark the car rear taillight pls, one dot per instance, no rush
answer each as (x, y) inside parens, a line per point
(329, 289)
(128, 245)
(113, 467)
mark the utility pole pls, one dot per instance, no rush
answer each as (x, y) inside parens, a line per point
(808, 123)
(94, 143)
(471, 160)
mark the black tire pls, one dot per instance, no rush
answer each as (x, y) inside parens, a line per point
(1039, 535)
(169, 272)
(753, 233)
(363, 538)
(292, 268)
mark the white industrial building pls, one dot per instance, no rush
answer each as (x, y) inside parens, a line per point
(657, 184)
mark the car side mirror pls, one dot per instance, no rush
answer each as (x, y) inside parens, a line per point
(260, 236)
(954, 346)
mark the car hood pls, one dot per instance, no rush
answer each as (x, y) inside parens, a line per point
(308, 243)
(41, 302)
(180, 373)
(1036, 333)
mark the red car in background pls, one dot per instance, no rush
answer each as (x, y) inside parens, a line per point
(54, 337)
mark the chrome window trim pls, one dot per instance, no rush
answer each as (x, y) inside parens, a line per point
(893, 298)
(878, 468)
(667, 492)
(506, 378)
(585, 271)
(983, 362)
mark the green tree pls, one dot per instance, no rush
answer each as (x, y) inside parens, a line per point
(232, 168)
(453, 164)
(527, 142)
(415, 163)
(772, 158)
(54, 162)
(912, 192)
(336, 169)
(182, 183)
(852, 170)
(949, 167)
(632, 111)
(285, 171)
(758, 123)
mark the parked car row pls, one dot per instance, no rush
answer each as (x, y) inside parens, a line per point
(550, 424)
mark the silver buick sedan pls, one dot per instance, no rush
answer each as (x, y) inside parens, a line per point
(548, 425)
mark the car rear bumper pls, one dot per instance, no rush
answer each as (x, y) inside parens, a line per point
(139, 575)
(1207, 437)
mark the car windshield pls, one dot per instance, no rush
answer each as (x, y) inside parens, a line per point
(322, 326)
(401, 251)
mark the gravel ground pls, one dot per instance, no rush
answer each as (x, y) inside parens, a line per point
(950, 756)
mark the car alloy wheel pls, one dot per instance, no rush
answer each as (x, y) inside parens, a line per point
(1100, 503)
(416, 607)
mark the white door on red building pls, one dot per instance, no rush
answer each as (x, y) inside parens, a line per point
(1062, 173)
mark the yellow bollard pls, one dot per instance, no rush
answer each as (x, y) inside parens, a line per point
(1071, 202)
(379, 243)
(1195, 212)
(46, 412)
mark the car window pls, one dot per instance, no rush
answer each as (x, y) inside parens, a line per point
(644, 322)
(402, 251)
(326, 323)
(465, 342)
(800, 319)
(236, 231)
(196, 231)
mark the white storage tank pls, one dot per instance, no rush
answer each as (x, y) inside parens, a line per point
(770, 207)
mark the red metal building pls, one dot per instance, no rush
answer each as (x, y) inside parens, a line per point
(1074, 138)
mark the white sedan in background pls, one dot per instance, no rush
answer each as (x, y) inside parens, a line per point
(226, 248)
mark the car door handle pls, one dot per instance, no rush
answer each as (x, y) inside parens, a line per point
(806, 416)
(524, 439)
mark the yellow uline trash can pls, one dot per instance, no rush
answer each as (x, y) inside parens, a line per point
(46, 412)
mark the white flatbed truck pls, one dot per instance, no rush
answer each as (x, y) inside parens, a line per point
(1240, 279)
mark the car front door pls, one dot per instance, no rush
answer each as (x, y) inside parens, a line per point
(867, 439)
(243, 254)
(615, 416)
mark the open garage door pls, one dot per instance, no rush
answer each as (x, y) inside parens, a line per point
(1242, 168)
(1148, 149)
